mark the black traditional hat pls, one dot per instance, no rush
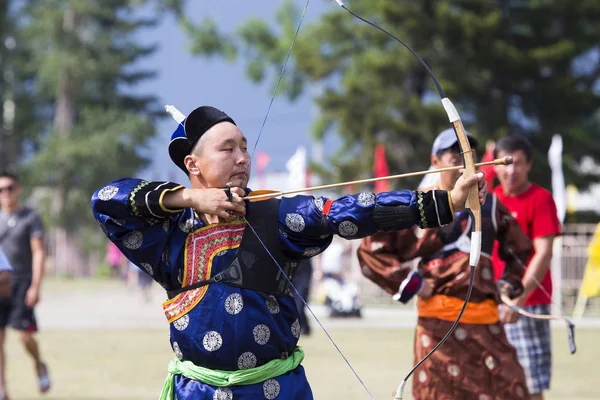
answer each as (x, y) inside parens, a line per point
(190, 129)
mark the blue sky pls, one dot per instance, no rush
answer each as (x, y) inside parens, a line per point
(187, 81)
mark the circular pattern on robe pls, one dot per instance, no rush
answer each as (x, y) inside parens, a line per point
(295, 222)
(177, 351)
(460, 334)
(454, 370)
(262, 333)
(319, 203)
(148, 268)
(347, 228)
(272, 304)
(495, 329)
(425, 340)
(311, 251)
(366, 199)
(187, 226)
(107, 192)
(422, 376)
(247, 360)
(490, 362)
(486, 273)
(223, 394)
(234, 303)
(296, 329)
(519, 391)
(271, 388)
(165, 225)
(182, 323)
(212, 341)
(133, 240)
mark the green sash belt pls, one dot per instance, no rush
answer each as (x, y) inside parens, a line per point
(215, 377)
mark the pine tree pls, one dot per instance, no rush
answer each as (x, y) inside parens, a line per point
(510, 66)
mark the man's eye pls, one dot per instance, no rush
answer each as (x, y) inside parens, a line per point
(228, 149)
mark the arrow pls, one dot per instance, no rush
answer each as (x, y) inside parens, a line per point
(259, 195)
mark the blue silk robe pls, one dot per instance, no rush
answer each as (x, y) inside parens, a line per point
(219, 326)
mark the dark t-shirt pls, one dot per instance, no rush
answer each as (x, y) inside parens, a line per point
(16, 231)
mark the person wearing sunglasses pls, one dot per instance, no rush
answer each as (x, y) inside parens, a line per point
(22, 241)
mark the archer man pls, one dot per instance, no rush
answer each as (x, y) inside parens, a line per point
(225, 262)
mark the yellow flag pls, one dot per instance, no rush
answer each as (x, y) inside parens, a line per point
(572, 195)
(590, 285)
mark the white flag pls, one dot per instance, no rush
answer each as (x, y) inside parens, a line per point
(559, 190)
(296, 167)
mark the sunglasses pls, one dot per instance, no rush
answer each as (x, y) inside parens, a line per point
(9, 189)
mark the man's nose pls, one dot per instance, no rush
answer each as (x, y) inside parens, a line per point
(243, 158)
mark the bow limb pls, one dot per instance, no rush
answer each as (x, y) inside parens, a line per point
(547, 317)
(521, 311)
(506, 300)
(470, 170)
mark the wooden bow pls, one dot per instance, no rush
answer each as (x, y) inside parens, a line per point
(473, 197)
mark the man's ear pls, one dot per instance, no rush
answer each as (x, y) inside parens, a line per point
(190, 165)
(433, 160)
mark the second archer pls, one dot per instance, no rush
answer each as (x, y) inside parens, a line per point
(477, 361)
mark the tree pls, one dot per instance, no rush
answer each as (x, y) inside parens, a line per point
(510, 66)
(90, 128)
(77, 122)
(13, 136)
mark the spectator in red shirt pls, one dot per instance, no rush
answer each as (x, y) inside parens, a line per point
(534, 209)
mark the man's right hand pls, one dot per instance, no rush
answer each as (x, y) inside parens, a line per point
(215, 202)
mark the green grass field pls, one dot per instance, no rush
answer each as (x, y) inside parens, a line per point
(132, 364)
(102, 342)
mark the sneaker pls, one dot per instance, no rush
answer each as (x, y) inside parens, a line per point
(44, 379)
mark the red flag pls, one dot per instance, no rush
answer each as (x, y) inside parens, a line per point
(380, 168)
(262, 160)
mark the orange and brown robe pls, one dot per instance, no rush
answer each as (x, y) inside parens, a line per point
(476, 362)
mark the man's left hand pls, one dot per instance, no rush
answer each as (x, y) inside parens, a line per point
(32, 297)
(461, 190)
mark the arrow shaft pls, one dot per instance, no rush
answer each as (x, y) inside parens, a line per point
(390, 177)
